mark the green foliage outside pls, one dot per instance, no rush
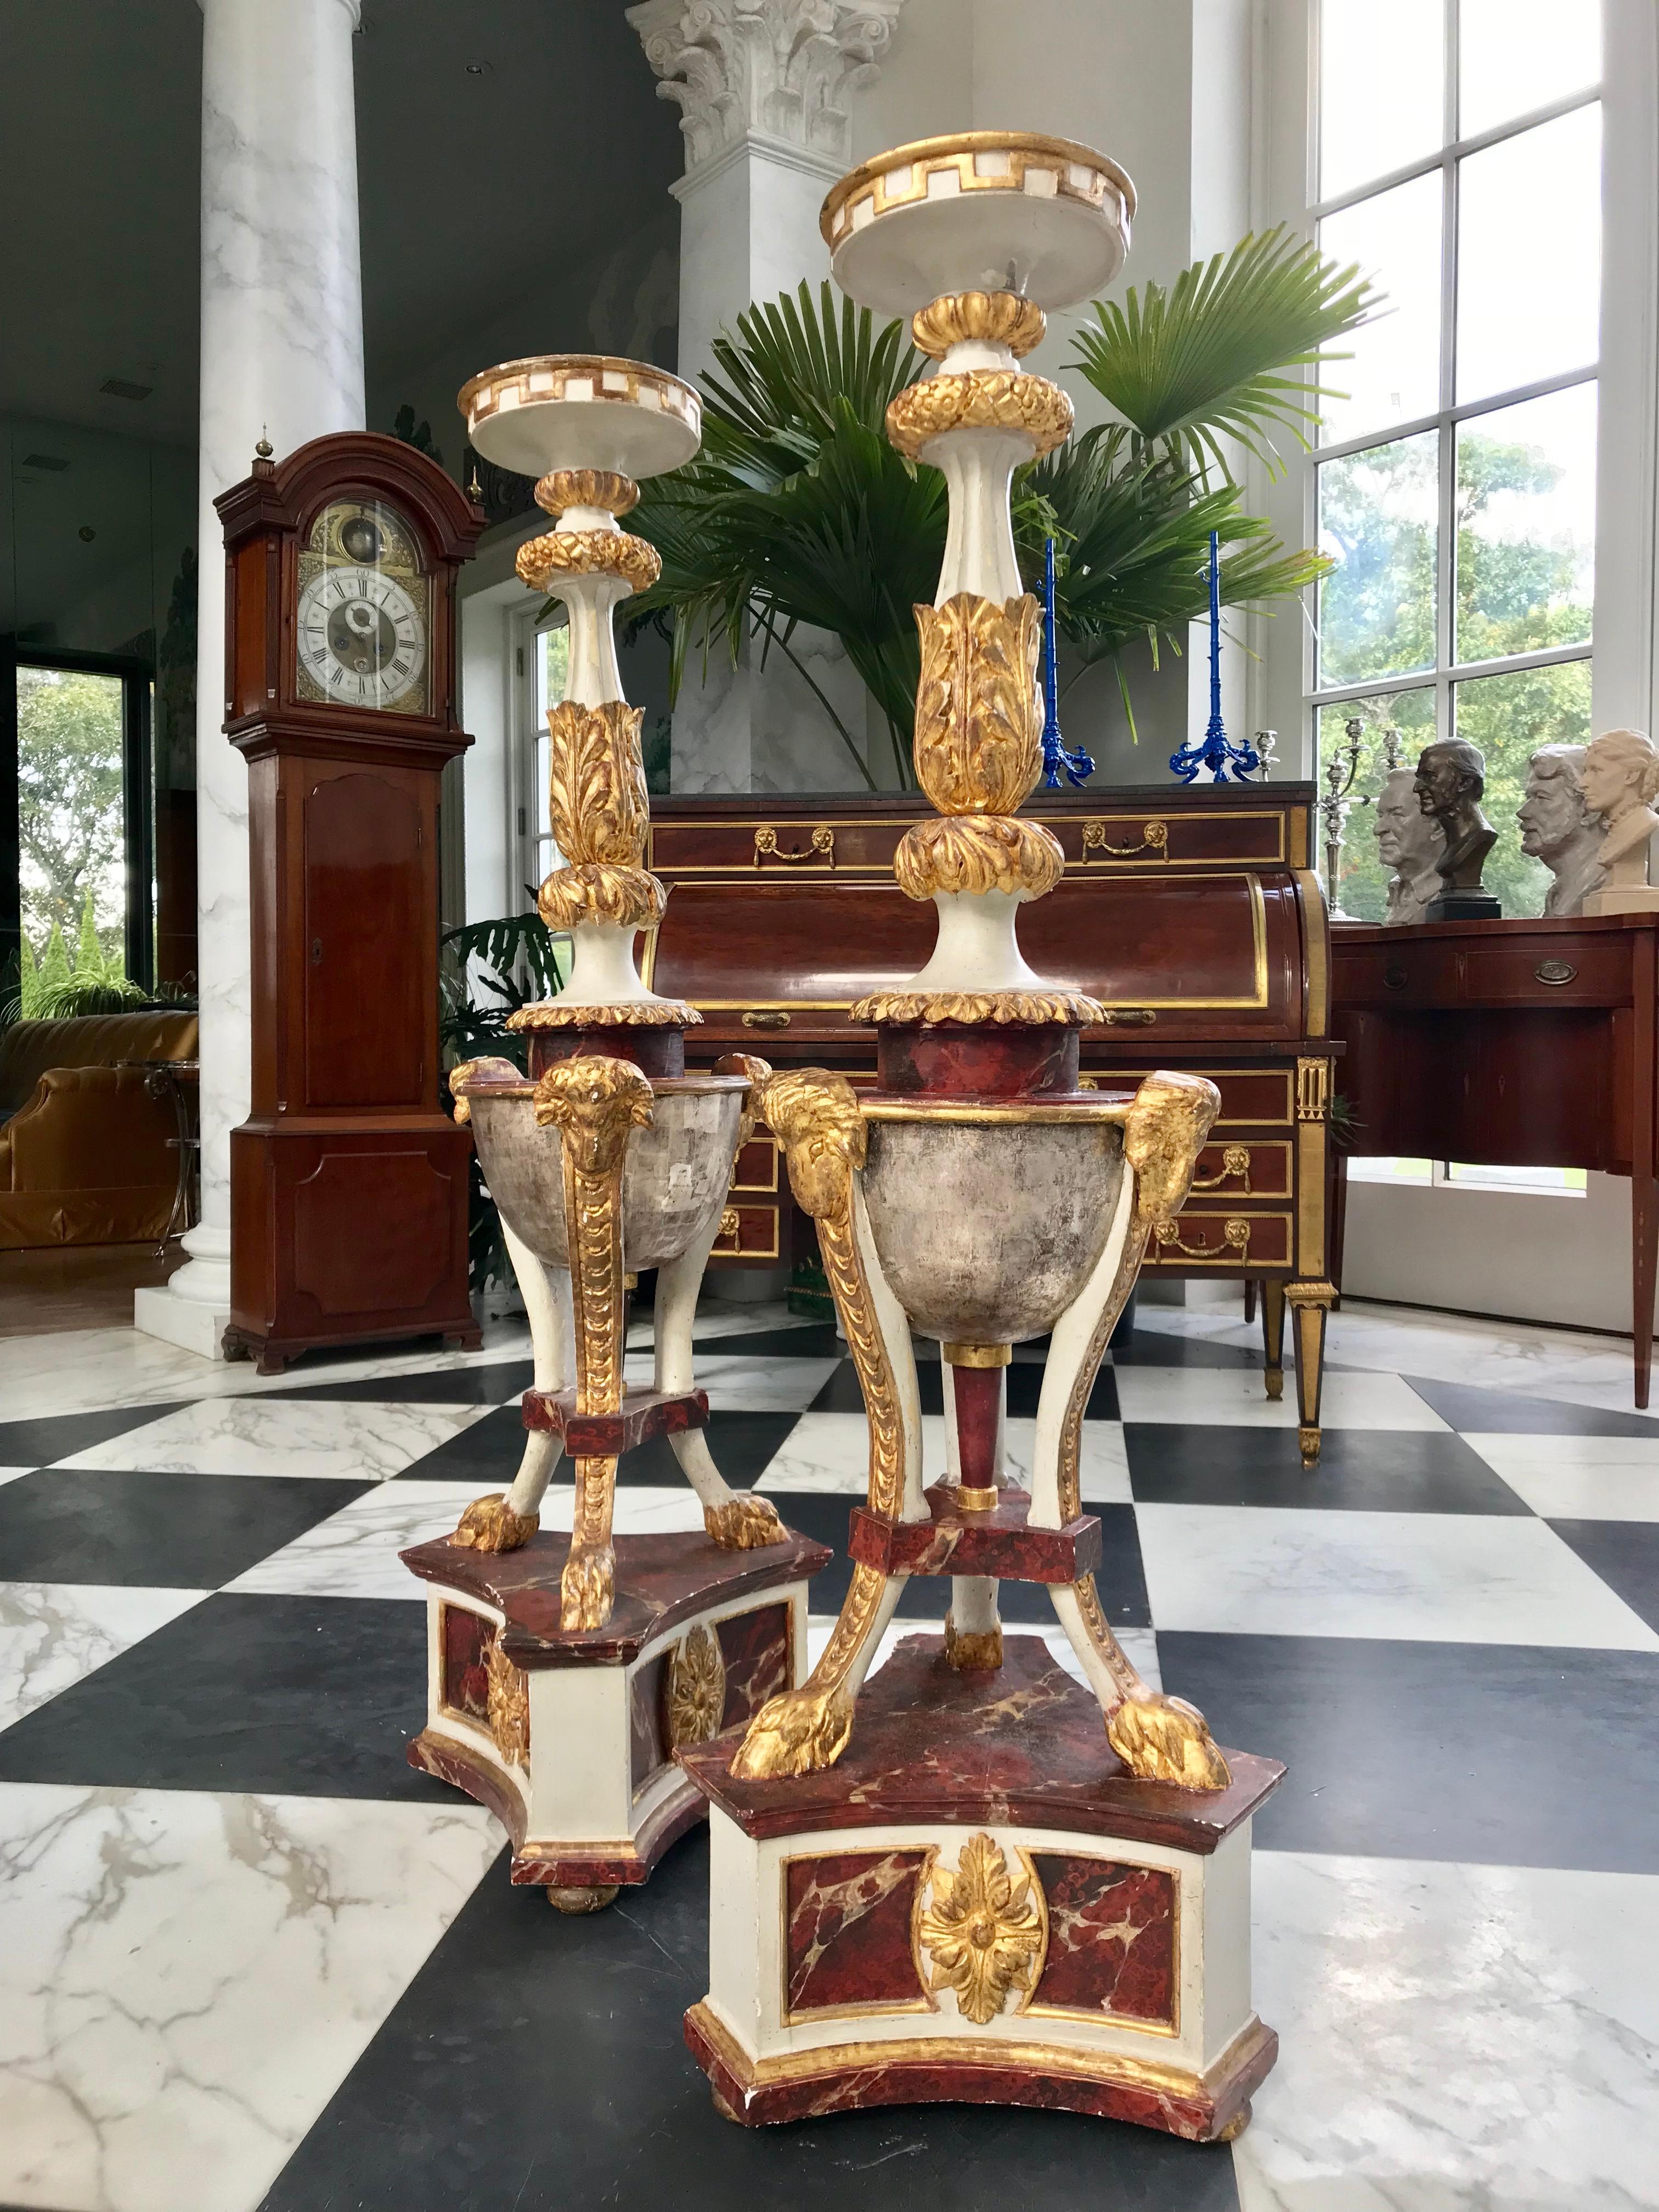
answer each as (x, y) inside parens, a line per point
(70, 812)
(1513, 595)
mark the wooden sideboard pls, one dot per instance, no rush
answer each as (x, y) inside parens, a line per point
(1511, 1043)
(1194, 914)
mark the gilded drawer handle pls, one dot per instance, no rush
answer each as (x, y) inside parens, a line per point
(1234, 1161)
(1554, 971)
(1154, 838)
(766, 1018)
(730, 1222)
(767, 846)
(1130, 1017)
(1236, 1233)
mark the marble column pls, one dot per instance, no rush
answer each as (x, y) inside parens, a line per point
(282, 357)
(766, 90)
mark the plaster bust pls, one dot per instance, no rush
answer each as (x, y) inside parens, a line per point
(1621, 781)
(1558, 828)
(1451, 781)
(1410, 842)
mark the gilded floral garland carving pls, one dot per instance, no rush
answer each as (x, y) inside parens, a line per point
(625, 1013)
(979, 733)
(594, 891)
(558, 553)
(976, 399)
(907, 1008)
(599, 808)
(984, 1934)
(978, 853)
(989, 318)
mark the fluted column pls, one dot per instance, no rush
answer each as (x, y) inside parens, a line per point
(282, 357)
(766, 90)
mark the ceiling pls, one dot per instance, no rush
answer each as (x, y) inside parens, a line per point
(476, 186)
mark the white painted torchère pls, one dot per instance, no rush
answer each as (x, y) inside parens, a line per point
(953, 1882)
(565, 1671)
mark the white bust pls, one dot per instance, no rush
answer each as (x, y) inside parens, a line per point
(1410, 842)
(1558, 828)
(1621, 781)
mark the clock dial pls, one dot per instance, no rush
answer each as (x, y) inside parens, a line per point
(363, 622)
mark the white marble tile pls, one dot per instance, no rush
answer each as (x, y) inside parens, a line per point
(716, 1319)
(1445, 1577)
(186, 1978)
(354, 1440)
(1233, 1397)
(52, 1634)
(735, 1385)
(11, 1474)
(823, 1451)
(354, 1553)
(1453, 2038)
(1578, 1478)
(831, 1451)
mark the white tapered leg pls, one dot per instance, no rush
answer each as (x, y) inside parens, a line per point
(546, 1294)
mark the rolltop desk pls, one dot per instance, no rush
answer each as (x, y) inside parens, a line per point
(1194, 913)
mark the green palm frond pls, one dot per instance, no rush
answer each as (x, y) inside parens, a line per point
(1207, 359)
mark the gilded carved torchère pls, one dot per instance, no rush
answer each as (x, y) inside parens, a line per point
(981, 1197)
(605, 1156)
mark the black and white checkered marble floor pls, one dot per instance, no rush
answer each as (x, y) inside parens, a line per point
(249, 1957)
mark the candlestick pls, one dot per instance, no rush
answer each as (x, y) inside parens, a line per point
(1079, 766)
(1217, 753)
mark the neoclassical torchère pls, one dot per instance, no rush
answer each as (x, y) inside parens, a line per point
(955, 1883)
(567, 1670)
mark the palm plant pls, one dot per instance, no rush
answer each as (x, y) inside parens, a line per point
(797, 510)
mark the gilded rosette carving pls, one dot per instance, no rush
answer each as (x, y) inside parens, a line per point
(978, 853)
(979, 732)
(1168, 1122)
(975, 399)
(604, 487)
(905, 1009)
(593, 890)
(599, 808)
(984, 1934)
(544, 562)
(1005, 319)
(694, 1697)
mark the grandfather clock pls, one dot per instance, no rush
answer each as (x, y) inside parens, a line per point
(349, 1181)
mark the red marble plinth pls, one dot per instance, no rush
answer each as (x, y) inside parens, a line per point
(995, 1059)
(662, 1580)
(956, 1541)
(653, 1050)
(929, 1744)
(645, 1414)
(977, 1394)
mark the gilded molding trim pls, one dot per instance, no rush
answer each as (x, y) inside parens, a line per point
(1004, 318)
(595, 890)
(693, 1690)
(586, 376)
(984, 1935)
(978, 853)
(627, 1013)
(604, 487)
(542, 562)
(599, 808)
(976, 161)
(979, 400)
(903, 1009)
(1313, 1084)
(508, 1705)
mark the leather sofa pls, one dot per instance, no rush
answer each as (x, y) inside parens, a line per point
(84, 1153)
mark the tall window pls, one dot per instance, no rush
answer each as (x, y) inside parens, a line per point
(1458, 159)
(551, 648)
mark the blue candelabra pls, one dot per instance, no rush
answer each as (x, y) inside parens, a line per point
(1217, 753)
(1079, 766)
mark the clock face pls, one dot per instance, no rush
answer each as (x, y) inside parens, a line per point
(363, 617)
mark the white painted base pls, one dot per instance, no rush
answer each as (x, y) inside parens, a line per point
(192, 1328)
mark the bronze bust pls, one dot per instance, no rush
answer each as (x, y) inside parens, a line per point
(1451, 780)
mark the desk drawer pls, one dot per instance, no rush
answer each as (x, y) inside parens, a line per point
(1240, 1241)
(1259, 1168)
(755, 1167)
(748, 1232)
(788, 844)
(1254, 1097)
(1503, 971)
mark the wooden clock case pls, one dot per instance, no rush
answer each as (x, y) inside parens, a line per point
(349, 1181)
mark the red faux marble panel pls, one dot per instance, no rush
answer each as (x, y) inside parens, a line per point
(754, 1647)
(464, 1641)
(648, 1748)
(1111, 1938)
(846, 1935)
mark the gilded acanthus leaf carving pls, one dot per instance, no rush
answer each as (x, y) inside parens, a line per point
(694, 1697)
(991, 318)
(978, 853)
(979, 400)
(594, 891)
(984, 1935)
(543, 561)
(598, 807)
(979, 730)
(508, 1705)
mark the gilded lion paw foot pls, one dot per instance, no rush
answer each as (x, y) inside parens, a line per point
(489, 1524)
(587, 1588)
(1166, 1739)
(800, 1732)
(742, 1524)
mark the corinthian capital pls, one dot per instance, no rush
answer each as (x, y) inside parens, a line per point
(783, 67)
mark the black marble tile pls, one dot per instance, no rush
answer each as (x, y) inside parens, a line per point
(486, 1452)
(1625, 1554)
(445, 1386)
(1360, 1470)
(1478, 1411)
(310, 1696)
(1152, 1348)
(1120, 1578)
(744, 1445)
(535, 2064)
(41, 1443)
(815, 1341)
(841, 1395)
(69, 1524)
(1494, 1755)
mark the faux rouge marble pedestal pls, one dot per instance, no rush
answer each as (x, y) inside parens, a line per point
(978, 1904)
(568, 1736)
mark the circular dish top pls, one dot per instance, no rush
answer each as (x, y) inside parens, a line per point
(981, 210)
(578, 410)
